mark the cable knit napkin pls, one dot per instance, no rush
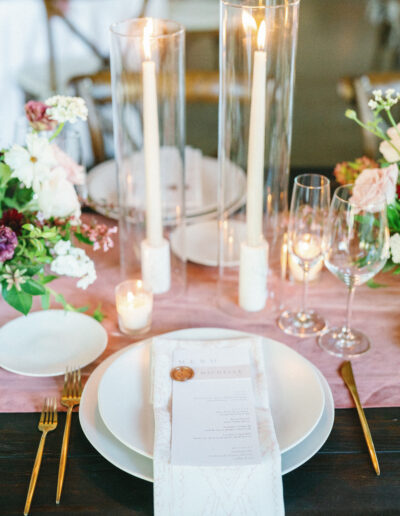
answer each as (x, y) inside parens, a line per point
(246, 490)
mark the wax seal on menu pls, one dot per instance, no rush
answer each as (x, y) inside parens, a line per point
(182, 373)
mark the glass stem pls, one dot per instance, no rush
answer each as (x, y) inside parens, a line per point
(350, 296)
(305, 290)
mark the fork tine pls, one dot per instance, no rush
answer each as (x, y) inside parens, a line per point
(64, 392)
(80, 382)
(46, 414)
(55, 412)
(76, 382)
(43, 413)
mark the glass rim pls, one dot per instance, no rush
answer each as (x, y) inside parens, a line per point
(243, 4)
(179, 28)
(380, 204)
(326, 181)
(136, 282)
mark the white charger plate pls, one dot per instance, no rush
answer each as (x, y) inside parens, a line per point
(103, 191)
(201, 240)
(140, 466)
(45, 343)
(295, 392)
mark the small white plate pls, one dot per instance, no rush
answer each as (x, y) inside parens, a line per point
(296, 396)
(142, 467)
(202, 243)
(103, 194)
(45, 343)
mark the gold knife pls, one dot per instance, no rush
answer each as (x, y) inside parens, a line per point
(347, 374)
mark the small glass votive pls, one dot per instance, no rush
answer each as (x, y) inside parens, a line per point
(134, 306)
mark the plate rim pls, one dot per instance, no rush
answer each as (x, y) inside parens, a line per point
(104, 209)
(85, 424)
(235, 334)
(46, 312)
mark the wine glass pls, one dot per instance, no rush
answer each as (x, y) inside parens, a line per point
(308, 212)
(357, 249)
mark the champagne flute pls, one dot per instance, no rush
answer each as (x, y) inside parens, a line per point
(357, 249)
(308, 211)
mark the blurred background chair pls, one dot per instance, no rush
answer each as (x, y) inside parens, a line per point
(201, 88)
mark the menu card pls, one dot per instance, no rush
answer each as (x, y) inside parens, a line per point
(213, 414)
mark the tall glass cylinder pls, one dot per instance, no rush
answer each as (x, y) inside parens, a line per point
(147, 72)
(257, 68)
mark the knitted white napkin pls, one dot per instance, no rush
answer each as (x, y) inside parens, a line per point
(248, 490)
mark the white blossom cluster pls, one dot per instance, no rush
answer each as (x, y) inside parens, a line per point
(395, 247)
(387, 100)
(66, 109)
(72, 261)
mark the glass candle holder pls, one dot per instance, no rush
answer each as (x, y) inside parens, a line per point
(134, 307)
(257, 62)
(147, 73)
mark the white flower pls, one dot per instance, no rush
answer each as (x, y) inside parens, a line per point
(372, 104)
(376, 93)
(395, 247)
(76, 264)
(389, 93)
(31, 165)
(57, 197)
(14, 278)
(66, 109)
(62, 247)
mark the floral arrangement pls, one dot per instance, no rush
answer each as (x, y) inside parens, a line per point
(378, 180)
(40, 215)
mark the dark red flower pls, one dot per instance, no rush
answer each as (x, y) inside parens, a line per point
(398, 191)
(12, 219)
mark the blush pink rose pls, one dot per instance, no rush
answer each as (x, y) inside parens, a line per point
(75, 173)
(38, 119)
(391, 150)
(374, 187)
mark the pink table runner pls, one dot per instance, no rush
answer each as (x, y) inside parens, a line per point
(375, 311)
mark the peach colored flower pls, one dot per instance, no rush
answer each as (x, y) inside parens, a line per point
(75, 173)
(374, 187)
(389, 153)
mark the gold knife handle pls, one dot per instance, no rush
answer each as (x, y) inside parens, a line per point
(366, 430)
(64, 453)
(35, 473)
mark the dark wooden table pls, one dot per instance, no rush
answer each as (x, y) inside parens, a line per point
(339, 479)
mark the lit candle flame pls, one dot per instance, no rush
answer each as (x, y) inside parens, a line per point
(130, 297)
(248, 21)
(262, 31)
(147, 32)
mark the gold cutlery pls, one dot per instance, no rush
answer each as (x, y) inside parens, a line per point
(347, 374)
(47, 423)
(70, 397)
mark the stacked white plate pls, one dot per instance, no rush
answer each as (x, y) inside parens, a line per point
(117, 417)
(103, 193)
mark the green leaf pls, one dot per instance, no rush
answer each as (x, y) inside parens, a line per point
(5, 174)
(48, 278)
(20, 300)
(82, 308)
(31, 271)
(372, 284)
(98, 314)
(83, 239)
(33, 287)
(45, 299)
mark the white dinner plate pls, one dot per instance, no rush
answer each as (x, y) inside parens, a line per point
(296, 395)
(207, 232)
(142, 467)
(45, 343)
(103, 194)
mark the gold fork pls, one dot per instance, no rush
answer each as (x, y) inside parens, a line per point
(47, 423)
(70, 397)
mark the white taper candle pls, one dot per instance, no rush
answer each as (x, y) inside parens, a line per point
(255, 158)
